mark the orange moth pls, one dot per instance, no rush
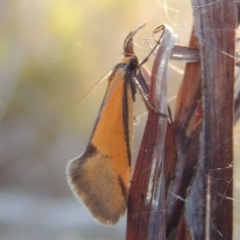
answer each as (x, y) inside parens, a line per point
(100, 177)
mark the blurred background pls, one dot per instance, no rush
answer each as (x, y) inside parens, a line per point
(51, 55)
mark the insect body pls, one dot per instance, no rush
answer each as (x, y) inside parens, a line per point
(100, 176)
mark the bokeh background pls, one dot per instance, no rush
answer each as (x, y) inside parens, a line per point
(51, 54)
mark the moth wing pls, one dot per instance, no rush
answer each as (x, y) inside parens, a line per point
(95, 182)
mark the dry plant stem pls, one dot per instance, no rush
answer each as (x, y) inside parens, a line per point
(237, 106)
(186, 54)
(184, 146)
(146, 209)
(215, 24)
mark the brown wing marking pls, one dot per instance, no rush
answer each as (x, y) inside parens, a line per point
(93, 179)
